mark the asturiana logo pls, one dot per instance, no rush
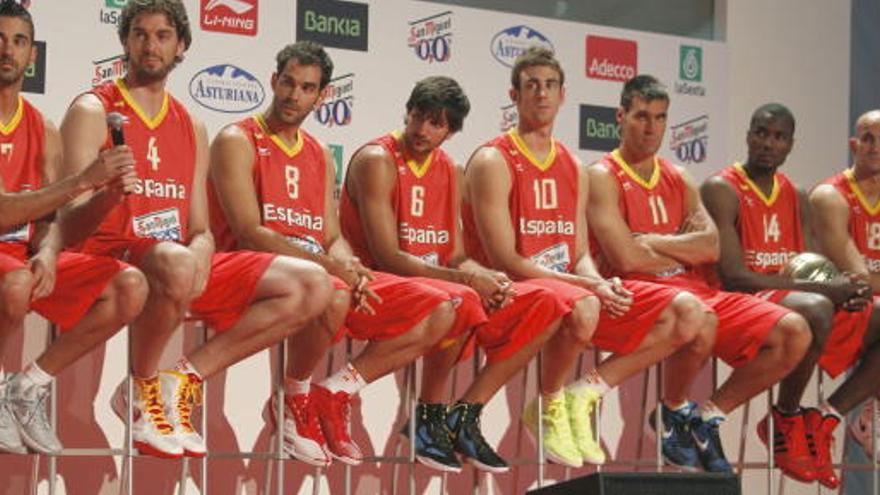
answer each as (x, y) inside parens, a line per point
(226, 88)
(690, 140)
(513, 41)
(338, 107)
(431, 37)
(108, 69)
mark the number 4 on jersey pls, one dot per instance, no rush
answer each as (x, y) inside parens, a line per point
(153, 154)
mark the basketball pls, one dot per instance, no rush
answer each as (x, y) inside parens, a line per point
(810, 266)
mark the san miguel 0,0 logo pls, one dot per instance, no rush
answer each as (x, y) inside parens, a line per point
(338, 107)
(690, 140)
(513, 41)
(226, 88)
(431, 37)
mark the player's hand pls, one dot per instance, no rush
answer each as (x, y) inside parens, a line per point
(203, 271)
(110, 165)
(42, 266)
(504, 295)
(494, 288)
(863, 294)
(694, 222)
(358, 277)
(847, 293)
(613, 296)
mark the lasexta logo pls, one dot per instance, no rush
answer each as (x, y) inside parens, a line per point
(690, 63)
(229, 16)
(109, 13)
(333, 23)
(611, 59)
(513, 41)
(431, 37)
(108, 69)
(338, 106)
(35, 75)
(598, 129)
(115, 4)
(690, 140)
(226, 88)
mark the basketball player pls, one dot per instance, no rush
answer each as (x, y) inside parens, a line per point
(847, 225)
(400, 209)
(272, 190)
(252, 300)
(89, 298)
(649, 221)
(524, 213)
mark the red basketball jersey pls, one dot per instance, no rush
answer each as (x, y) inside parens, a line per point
(769, 227)
(290, 184)
(22, 143)
(423, 200)
(864, 219)
(542, 201)
(657, 205)
(164, 149)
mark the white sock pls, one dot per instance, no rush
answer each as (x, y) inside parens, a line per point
(34, 375)
(592, 381)
(347, 380)
(292, 386)
(186, 367)
(710, 411)
(828, 409)
(548, 397)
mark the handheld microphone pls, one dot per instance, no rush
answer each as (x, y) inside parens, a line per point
(115, 121)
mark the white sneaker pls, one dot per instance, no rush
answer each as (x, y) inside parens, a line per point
(151, 432)
(861, 429)
(180, 393)
(10, 438)
(27, 403)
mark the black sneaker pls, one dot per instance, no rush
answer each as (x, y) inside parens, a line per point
(433, 439)
(467, 439)
(708, 443)
(676, 441)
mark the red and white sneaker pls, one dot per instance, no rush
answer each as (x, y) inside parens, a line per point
(791, 452)
(821, 430)
(151, 432)
(303, 438)
(862, 429)
(334, 413)
(181, 392)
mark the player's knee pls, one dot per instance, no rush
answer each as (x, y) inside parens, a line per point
(130, 290)
(581, 322)
(315, 291)
(15, 293)
(340, 302)
(688, 313)
(818, 311)
(440, 322)
(796, 337)
(173, 272)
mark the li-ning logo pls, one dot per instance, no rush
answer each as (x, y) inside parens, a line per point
(337, 108)
(229, 16)
(690, 71)
(513, 41)
(431, 37)
(108, 69)
(509, 117)
(226, 88)
(690, 140)
(611, 59)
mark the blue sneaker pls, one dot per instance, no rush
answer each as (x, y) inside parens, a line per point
(433, 438)
(675, 439)
(708, 443)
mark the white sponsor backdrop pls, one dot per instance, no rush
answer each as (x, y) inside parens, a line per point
(369, 94)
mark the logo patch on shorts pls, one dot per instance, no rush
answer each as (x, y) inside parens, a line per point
(554, 258)
(163, 225)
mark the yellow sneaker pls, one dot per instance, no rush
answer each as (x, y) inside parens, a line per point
(559, 445)
(580, 406)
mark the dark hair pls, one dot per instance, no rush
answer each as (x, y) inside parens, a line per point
(173, 10)
(644, 86)
(440, 94)
(775, 111)
(12, 8)
(306, 53)
(535, 56)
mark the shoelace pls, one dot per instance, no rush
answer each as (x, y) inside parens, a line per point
(341, 409)
(153, 405)
(438, 430)
(306, 417)
(476, 433)
(35, 409)
(189, 393)
(555, 413)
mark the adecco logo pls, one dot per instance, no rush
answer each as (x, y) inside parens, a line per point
(511, 42)
(599, 129)
(229, 16)
(226, 88)
(611, 59)
(690, 140)
(35, 75)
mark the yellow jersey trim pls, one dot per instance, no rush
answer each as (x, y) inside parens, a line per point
(774, 192)
(526, 152)
(418, 169)
(288, 150)
(647, 184)
(854, 185)
(151, 123)
(6, 129)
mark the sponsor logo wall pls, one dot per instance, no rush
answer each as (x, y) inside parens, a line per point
(380, 49)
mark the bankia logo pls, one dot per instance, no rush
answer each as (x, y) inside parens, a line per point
(431, 37)
(229, 16)
(108, 69)
(598, 129)
(690, 71)
(690, 140)
(513, 41)
(110, 10)
(226, 88)
(333, 23)
(338, 106)
(35, 75)
(611, 59)
(509, 117)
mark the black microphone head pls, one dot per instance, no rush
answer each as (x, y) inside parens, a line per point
(115, 121)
